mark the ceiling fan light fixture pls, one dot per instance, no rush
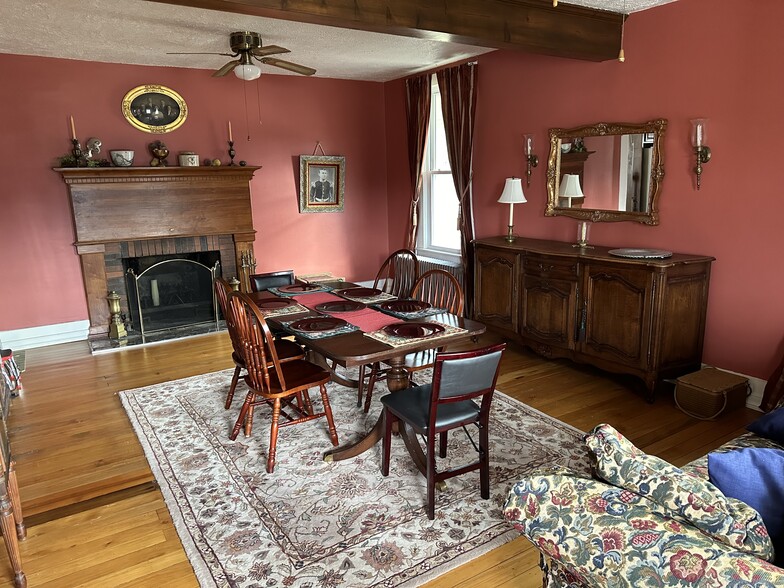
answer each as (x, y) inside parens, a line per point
(247, 72)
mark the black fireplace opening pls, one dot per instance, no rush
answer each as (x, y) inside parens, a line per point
(171, 291)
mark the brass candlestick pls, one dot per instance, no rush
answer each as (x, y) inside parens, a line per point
(77, 152)
(116, 326)
(232, 153)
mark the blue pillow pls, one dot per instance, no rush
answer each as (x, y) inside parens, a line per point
(770, 426)
(754, 475)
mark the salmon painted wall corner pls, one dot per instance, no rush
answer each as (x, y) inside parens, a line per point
(686, 59)
(42, 282)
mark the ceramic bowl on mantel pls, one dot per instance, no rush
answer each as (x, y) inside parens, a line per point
(122, 157)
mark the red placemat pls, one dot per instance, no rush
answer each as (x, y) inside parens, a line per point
(368, 319)
(311, 300)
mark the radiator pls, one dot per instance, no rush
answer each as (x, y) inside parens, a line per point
(428, 263)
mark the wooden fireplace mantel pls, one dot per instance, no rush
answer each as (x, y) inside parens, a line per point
(138, 203)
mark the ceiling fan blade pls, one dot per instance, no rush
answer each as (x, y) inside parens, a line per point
(295, 67)
(268, 50)
(226, 69)
(226, 54)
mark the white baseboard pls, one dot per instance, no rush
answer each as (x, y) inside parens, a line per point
(45, 335)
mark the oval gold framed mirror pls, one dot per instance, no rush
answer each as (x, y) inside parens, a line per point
(606, 172)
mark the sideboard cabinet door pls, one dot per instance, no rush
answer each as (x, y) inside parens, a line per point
(496, 275)
(616, 314)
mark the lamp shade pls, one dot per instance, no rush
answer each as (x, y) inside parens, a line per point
(247, 72)
(570, 186)
(513, 192)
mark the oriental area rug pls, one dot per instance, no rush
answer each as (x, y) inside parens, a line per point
(327, 525)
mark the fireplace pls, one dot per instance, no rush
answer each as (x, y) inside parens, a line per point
(137, 217)
(170, 291)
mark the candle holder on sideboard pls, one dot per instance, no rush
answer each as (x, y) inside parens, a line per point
(232, 153)
(77, 152)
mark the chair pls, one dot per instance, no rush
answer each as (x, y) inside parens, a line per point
(445, 404)
(259, 282)
(442, 290)
(287, 350)
(398, 273)
(283, 386)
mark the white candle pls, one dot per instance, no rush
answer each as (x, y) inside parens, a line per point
(73, 129)
(699, 134)
(528, 146)
(583, 232)
(156, 299)
(511, 214)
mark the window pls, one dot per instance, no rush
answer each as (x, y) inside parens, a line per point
(439, 235)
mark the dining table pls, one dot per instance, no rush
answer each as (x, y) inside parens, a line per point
(357, 347)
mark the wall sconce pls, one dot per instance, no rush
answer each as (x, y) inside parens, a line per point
(512, 194)
(701, 150)
(531, 159)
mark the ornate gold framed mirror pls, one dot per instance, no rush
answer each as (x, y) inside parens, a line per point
(606, 172)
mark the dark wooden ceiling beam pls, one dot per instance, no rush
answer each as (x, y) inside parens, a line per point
(533, 26)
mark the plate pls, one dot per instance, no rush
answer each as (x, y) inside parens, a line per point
(318, 324)
(359, 292)
(274, 303)
(298, 288)
(413, 330)
(340, 306)
(405, 305)
(640, 253)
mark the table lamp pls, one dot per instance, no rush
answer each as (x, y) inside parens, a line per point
(512, 194)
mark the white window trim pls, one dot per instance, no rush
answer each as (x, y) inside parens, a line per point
(424, 247)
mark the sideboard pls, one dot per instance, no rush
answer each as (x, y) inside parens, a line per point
(644, 317)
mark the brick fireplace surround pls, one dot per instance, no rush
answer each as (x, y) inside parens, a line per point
(135, 211)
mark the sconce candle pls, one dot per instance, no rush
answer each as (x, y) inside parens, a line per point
(530, 159)
(701, 150)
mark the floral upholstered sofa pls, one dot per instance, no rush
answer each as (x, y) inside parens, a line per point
(643, 523)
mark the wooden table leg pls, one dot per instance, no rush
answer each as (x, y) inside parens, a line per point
(396, 380)
(398, 377)
(331, 367)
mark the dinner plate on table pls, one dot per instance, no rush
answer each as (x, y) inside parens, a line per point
(405, 305)
(359, 292)
(340, 306)
(318, 324)
(275, 303)
(413, 330)
(295, 288)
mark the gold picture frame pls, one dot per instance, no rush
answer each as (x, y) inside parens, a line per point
(322, 182)
(154, 109)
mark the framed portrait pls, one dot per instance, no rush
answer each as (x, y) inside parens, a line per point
(154, 109)
(321, 183)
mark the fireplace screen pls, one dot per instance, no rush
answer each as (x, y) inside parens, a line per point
(171, 293)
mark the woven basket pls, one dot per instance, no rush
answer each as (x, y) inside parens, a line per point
(708, 393)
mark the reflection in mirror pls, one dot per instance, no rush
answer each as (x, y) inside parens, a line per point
(619, 167)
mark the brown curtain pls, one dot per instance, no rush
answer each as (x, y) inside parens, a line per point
(458, 103)
(417, 119)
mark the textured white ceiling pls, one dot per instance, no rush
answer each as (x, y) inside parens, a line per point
(139, 32)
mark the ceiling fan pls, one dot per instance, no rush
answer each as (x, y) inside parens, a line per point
(246, 46)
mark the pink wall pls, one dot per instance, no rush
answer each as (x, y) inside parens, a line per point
(600, 173)
(42, 281)
(710, 58)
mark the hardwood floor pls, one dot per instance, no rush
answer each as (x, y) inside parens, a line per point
(95, 517)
